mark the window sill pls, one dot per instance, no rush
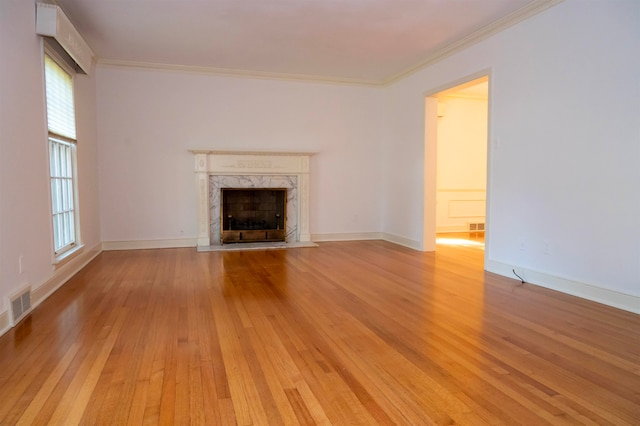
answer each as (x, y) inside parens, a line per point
(67, 256)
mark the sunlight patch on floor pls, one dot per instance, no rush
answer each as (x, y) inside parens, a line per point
(459, 242)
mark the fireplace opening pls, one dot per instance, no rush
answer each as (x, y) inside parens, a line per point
(252, 215)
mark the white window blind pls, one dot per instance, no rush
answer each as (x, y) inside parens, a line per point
(61, 122)
(61, 118)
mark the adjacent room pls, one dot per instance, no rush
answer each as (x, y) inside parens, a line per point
(320, 212)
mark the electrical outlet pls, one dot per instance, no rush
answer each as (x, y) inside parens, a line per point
(20, 269)
(546, 247)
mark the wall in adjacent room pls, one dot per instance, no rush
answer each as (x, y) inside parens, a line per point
(462, 163)
(564, 182)
(149, 119)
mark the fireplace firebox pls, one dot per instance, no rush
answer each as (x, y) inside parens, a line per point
(253, 215)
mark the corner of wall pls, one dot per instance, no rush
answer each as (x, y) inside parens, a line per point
(5, 324)
(607, 297)
(406, 242)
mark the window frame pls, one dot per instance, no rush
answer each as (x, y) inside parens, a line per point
(71, 194)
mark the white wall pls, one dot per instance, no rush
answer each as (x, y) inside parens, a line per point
(462, 163)
(25, 218)
(149, 119)
(565, 102)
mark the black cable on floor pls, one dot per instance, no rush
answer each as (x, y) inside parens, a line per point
(516, 274)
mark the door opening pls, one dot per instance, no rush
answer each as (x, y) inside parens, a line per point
(456, 163)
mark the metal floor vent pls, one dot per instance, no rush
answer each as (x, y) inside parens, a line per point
(475, 226)
(20, 303)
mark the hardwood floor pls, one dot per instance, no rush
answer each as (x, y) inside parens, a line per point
(346, 333)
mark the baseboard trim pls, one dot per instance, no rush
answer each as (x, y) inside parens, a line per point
(406, 242)
(63, 274)
(357, 236)
(5, 324)
(60, 276)
(365, 236)
(149, 244)
(607, 297)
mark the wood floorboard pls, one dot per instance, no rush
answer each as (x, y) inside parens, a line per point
(363, 332)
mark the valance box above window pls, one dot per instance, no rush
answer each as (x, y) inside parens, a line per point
(52, 23)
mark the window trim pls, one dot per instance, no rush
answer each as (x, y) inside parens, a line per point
(68, 251)
(72, 197)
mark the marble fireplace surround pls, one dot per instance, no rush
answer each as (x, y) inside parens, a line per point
(217, 169)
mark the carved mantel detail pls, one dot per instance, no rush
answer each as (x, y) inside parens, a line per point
(251, 164)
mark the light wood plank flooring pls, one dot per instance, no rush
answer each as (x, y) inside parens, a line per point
(346, 333)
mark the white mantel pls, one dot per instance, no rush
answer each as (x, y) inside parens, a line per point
(247, 166)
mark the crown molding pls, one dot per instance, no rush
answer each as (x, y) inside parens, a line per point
(483, 33)
(229, 72)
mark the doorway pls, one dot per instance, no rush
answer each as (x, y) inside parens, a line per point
(456, 163)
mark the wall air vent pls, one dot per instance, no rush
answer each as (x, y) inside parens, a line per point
(20, 304)
(475, 226)
(52, 22)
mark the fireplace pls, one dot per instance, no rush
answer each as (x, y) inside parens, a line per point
(243, 170)
(253, 215)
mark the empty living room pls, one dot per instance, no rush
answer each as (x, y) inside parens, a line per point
(320, 212)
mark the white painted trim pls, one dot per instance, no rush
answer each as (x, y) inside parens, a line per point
(60, 276)
(591, 292)
(149, 244)
(406, 242)
(238, 73)
(347, 236)
(5, 324)
(219, 163)
(250, 153)
(52, 22)
(367, 236)
(519, 15)
(429, 174)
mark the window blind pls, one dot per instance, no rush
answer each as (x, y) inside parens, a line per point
(60, 108)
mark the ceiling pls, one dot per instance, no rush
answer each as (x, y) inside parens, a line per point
(365, 41)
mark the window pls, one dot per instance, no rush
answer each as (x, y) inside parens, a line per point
(61, 122)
